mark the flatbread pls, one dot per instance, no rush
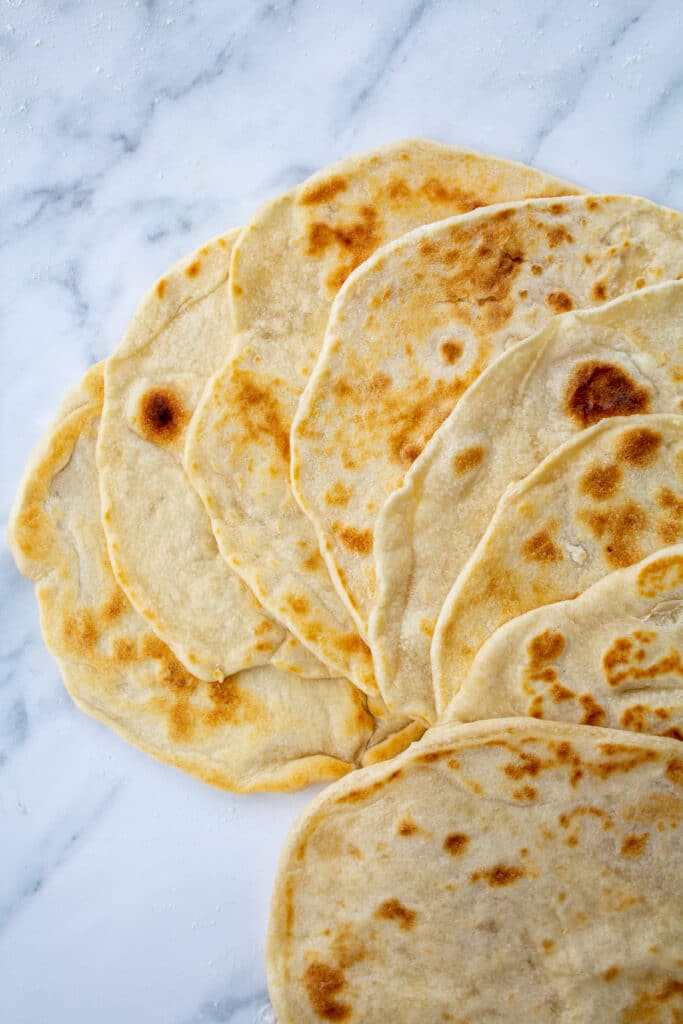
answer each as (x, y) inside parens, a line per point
(613, 656)
(261, 729)
(622, 358)
(160, 542)
(606, 499)
(507, 872)
(288, 264)
(418, 323)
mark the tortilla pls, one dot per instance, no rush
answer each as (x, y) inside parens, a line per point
(613, 656)
(420, 321)
(288, 264)
(606, 499)
(161, 546)
(506, 871)
(260, 729)
(622, 358)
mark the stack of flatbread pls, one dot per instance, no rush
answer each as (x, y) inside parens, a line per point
(404, 455)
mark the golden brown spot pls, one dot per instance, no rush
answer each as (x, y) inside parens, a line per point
(669, 525)
(356, 241)
(397, 189)
(647, 1007)
(80, 632)
(407, 827)
(162, 415)
(661, 575)
(161, 288)
(560, 693)
(114, 607)
(633, 846)
(436, 192)
(298, 603)
(526, 764)
(545, 647)
(620, 526)
(557, 208)
(394, 910)
(557, 236)
(599, 291)
(348, 947)
(600, 482)
(325, 192)
(323, 984)
(593, 713)
(597, 390)
(611, 973)
(193, 269)
(559, 302)
(639, 447)
(536, 269)
(338, 494)
(525, 793)
(359, 541)
(501, 874)
(540, 547)
(450, 351)
(674, 771)
(468, 459)
(351, 643)
(456, 843)
(261, 411)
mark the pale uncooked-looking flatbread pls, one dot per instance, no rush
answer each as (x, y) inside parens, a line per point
(417, 324)
(288, 264)
(622, 358)
(162, 549)
(606, 499)
(613, 656)
(507, 872)
(261, 729)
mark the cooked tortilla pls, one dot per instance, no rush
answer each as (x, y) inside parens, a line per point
(419, 322)
(622, 358)
(609, 497)
(613, 656)
(288, 265)
(260, 729)
(160, 541)
(507, 872)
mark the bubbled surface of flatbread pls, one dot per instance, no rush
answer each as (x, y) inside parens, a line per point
(623, 358)
(420, 321)
(505, 871)
(613, 656)
(288, 265)
(260, 729)
(609, 497)
(160, 541)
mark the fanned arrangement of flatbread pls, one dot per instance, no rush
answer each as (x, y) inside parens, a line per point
(404, 456)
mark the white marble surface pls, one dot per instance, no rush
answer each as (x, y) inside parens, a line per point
(129, 133)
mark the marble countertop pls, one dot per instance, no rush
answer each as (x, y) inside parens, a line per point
(129, 133)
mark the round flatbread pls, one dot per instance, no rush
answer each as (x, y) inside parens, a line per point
(420, 321)
(288, 265)
(613, 656)
(261, 729)
(509, 871)
(606, 499)
(163, 552)
(622, 358)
